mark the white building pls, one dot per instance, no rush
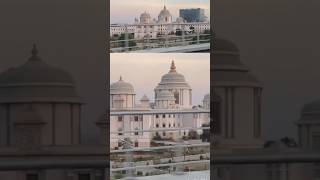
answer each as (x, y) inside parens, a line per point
(146, 27)
(172, 95)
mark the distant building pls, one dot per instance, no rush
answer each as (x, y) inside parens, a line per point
(193, 15)
(146, 27)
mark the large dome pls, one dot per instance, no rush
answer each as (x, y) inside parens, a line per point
(165, 15)
(227, 69)
(37, 80)
(121, 87)
(172, 79)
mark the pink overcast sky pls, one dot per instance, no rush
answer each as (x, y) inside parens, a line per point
(124, 11)
(144, 71)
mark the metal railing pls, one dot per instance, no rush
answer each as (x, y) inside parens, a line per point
(161, 41)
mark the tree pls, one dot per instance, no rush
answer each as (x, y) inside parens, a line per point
(193, 135)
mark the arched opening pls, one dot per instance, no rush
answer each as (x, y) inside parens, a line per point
(176, 96)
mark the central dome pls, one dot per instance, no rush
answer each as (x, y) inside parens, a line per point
(173, 78)
(165, 16)
(121, 87)
(37, 80)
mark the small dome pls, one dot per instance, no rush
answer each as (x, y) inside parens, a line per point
(311, 112)
(227, 69)
(37, 80)
(144, 98)
(121, 87)
(165, 95)
(145, 17)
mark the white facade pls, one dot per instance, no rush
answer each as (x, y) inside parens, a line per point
(173, 94)
(147, 28)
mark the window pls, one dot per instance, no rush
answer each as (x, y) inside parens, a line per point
(136, 133)
(136, 144)
(157, 116)
(169, 125)
(169, 115)
(32, 176)
(119, 118)
(174, 115)
(157, 125)
(119, 144)
(136, 118)
(84, 176)
(163, 116)
(176, 96)
(120, 133)
(164, 125)
(164, 133)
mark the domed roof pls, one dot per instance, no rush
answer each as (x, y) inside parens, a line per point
(35, 71)
(165, 95)
(36, 78)
(311, 112)
(172, 79)
(206, 97)
(144, 98)
(145, 15)
(227, 69)
(121, 87)
(164, 12)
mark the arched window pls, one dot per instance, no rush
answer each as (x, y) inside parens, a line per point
(176, 96)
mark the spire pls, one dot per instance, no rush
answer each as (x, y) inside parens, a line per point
(173, 67)
(34, 53)
(164, 7)
(120, 78)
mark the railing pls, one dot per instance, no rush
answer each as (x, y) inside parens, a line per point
(162, 41)
(164, 165)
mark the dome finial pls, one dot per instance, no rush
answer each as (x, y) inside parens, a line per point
(120, 78)
(34, 53)
(173, 67)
